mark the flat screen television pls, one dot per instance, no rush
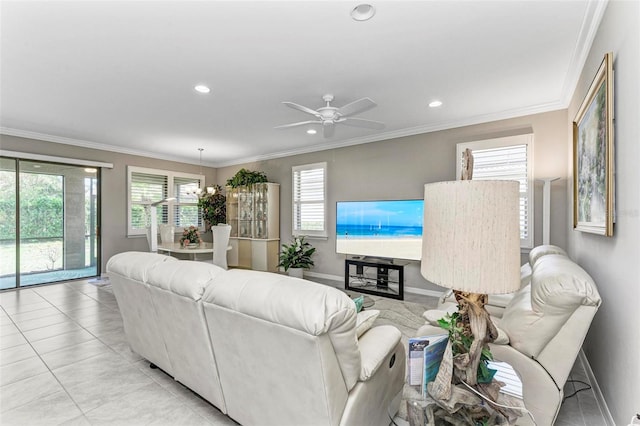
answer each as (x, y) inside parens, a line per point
(383, 229)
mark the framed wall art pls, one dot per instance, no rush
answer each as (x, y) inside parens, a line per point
(593, 181)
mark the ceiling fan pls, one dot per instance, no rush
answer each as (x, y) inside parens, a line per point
(329, 115)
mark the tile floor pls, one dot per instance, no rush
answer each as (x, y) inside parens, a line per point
(64, 360)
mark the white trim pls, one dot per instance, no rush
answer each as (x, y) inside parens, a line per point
(423, 291)
(453, 124)
(590, 23)
(100, 146)
(602, 404)
(324, 146)
(53, 159)
(411, 290)
(307, 232)
(324, 276)
(521, 139)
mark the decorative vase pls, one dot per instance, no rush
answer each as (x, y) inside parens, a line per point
(296, 272)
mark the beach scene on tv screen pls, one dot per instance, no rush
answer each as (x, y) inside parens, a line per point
(388, 229)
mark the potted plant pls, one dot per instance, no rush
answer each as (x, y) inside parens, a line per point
(213, 206)
(247, 178)
(190, 237)
(296, 256)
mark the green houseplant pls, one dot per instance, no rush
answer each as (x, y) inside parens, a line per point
(296, 255)
(246, 177)
(213, 206)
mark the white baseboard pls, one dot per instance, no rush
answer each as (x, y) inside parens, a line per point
(323, 276)
(412, 290)
(423, 291)
(602, 404)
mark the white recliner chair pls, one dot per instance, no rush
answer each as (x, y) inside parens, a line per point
(498, 302)
(221, 234)
(543, 328)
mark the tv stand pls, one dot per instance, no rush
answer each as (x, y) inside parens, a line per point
(378, 277)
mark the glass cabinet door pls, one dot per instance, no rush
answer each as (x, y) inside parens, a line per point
(260, 209)
(232, 210)
(245, 212)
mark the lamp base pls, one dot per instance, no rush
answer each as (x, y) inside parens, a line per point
(456, 388)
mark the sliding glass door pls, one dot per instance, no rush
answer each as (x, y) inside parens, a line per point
(48, 222)
(8, 223)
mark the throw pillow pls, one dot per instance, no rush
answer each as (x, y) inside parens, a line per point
(359, 301)
(365, 320)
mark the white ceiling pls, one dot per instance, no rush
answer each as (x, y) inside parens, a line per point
(120, 75)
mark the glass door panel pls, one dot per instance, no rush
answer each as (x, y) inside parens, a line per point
(57, 208)
(41, 222)
(8, 245)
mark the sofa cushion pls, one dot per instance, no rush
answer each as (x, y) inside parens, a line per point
(538, 311)
(364, 321)
(186, 278)
(309, 307)
(525, 276)
(540, 251)
(136, 265)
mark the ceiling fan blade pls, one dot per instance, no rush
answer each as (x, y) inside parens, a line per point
(301, 123)
(355, 107)
(328, 129)
(361, 122)
(301, 108)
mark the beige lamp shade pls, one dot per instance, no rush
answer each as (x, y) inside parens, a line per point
(471, 235)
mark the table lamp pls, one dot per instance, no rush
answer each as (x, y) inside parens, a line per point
(471, 244)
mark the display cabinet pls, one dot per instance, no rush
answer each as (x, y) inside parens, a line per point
(254, 215)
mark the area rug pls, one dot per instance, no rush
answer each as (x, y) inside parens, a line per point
(100, 281)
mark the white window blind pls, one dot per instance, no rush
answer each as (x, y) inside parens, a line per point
(507, 158)
(186, 212)
(309, 199)
(147, 186)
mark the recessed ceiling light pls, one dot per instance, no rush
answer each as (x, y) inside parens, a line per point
(202, 88)
(363, 12)
(90, 170)
(311, 131)
(435, 104)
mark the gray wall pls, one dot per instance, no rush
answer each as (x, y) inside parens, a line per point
(114, 184)
(399, 168)
(613, 343)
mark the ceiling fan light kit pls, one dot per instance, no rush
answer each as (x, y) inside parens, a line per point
(329, 115)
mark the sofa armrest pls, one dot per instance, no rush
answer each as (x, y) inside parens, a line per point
(541, 394)
(375, 345)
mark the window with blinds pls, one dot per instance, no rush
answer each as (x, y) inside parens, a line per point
(146, 186)
(309, 199)
(508, 158)
(186, 212)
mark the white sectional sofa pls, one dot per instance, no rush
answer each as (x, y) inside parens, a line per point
(264, 348)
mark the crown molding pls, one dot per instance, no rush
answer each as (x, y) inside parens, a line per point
(592, 18)
(96, 145)
(478, 119)
(446, 125)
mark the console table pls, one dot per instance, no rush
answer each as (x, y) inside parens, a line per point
(374, 277)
